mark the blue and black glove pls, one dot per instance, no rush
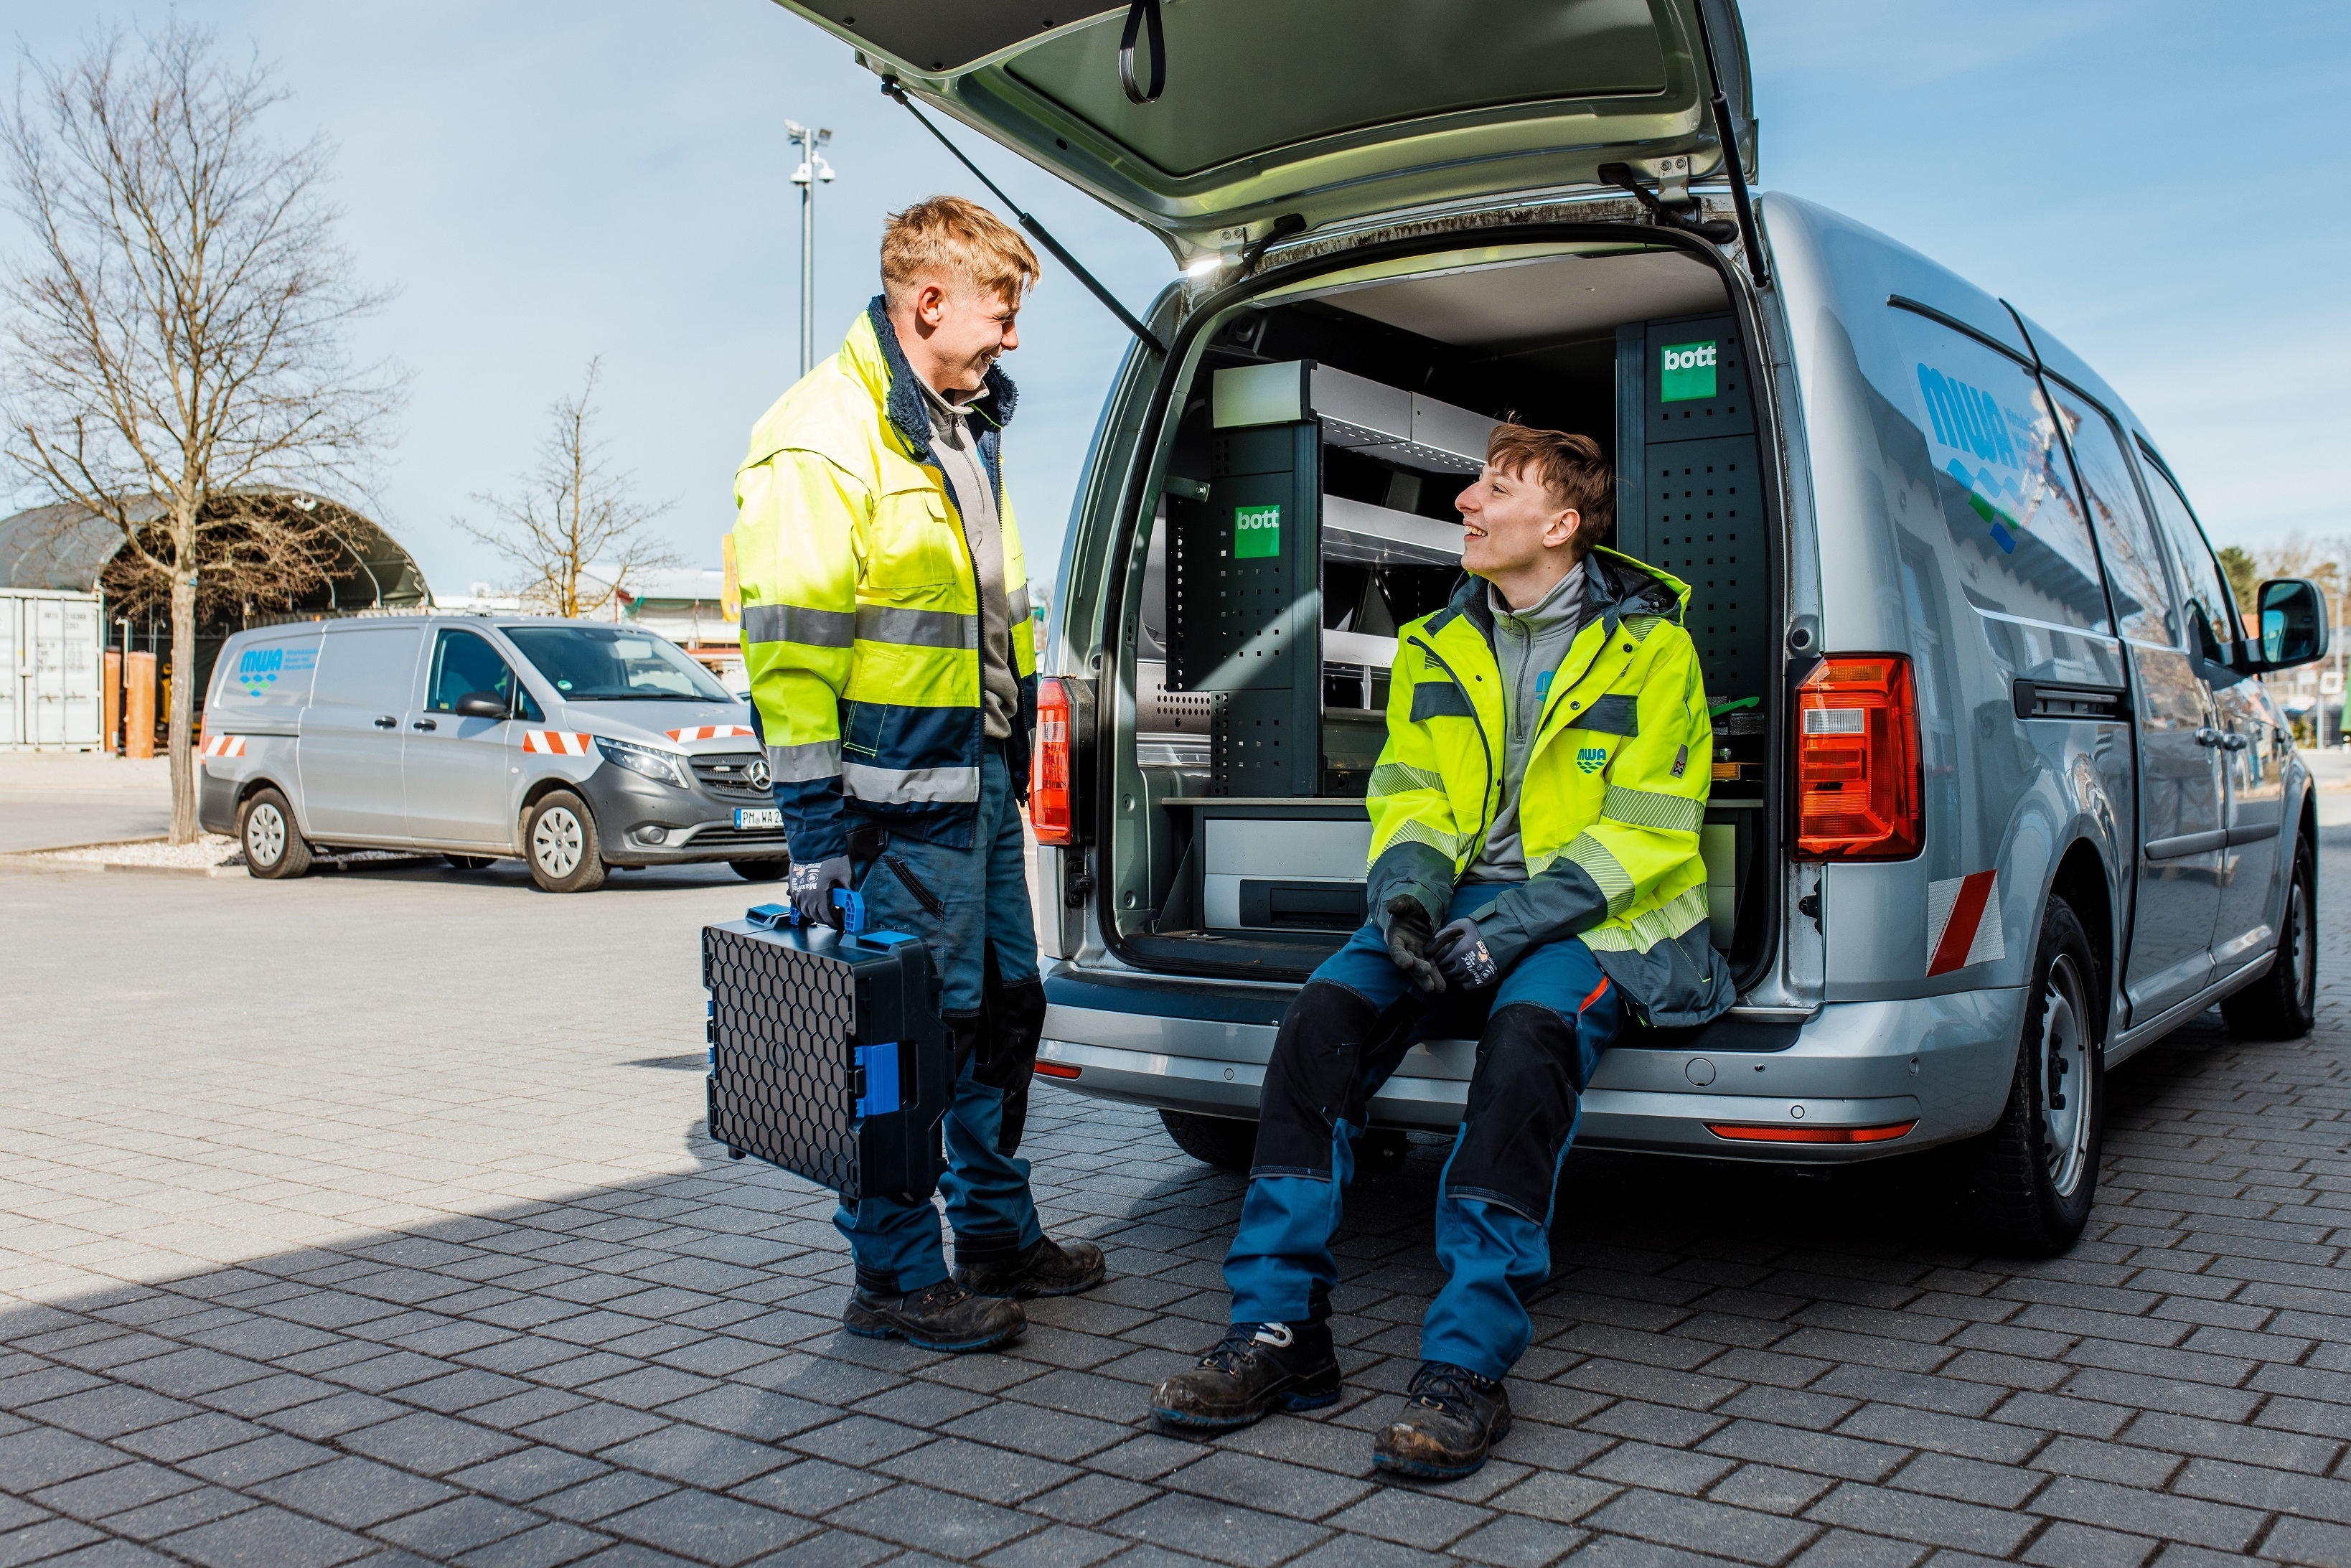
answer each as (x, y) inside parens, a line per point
(1460, 950)
(1407, 935)
(811, 886)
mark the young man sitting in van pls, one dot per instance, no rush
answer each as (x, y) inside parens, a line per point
(1535, 881)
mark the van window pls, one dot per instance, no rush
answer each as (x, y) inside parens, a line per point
(2213, 618)
(2023, 543)
(465, 663)
(2133, 566)
(604, 663)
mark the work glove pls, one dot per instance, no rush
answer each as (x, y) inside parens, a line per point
(1461, 953)
(811, 886)
(1408, 943)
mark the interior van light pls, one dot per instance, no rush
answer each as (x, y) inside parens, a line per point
(1051, 774)
(1202, 266)
(1859, 795)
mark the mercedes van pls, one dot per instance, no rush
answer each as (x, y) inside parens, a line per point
(1998, 798)
(574, 745)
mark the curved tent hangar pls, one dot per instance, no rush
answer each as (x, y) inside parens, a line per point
(65, 553)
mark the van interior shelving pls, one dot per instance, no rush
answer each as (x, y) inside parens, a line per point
(1305, 511)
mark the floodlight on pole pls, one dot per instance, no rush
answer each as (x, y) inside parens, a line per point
(812, 171)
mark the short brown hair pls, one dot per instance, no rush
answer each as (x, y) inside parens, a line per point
(951, 234)
(1571, 467)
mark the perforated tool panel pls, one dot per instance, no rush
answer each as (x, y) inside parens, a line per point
(1244, 608)
(1703, 504)
(787, 1026)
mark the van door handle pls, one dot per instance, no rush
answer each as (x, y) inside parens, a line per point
(424, 724)
(386, 721)
(2208, 736)
(2232, 742)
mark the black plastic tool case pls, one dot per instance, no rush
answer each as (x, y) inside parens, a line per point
(828, 1056)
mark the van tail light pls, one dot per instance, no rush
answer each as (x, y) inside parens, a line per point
(1859, 793)
(1739, 1134)
(1052, 774)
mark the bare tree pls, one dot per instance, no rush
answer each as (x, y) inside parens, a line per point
(175, 352)
(576, 534)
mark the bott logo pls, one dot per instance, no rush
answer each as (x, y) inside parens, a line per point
(1690, 356)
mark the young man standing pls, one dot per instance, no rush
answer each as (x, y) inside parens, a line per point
(1535, 880)
(886, 631)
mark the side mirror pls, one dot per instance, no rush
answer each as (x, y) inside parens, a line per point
(2293, 626)
(482, 704)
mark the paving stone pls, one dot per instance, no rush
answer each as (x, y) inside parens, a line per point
(939, 1522)
(1222, 1532)
(2190, 1519)
(2063, 1545)
(116, 1491)
(456, 1527)
(1410, 1518)
(1516, 1540)
(708, 1529)
(1733, 1532)
(269, 1535)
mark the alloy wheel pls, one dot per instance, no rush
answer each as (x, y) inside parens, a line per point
(2065, 1063)
(556, 841)
(265, 835)
(2301, 946)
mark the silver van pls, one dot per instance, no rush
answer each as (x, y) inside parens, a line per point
(1998, 797)
(579, 746)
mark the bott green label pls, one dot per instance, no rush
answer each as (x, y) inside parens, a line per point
(1257, 532)
(1686, 370)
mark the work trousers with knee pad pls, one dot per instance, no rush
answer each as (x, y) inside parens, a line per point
(972, 906)
(1539, 1035)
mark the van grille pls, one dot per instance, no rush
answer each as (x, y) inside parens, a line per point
(729, 774)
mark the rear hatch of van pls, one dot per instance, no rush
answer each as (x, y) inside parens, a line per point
(1290, 498)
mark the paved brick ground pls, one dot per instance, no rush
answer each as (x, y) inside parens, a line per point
(366, 1218)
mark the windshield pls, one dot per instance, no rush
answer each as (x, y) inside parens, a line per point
(612, 663)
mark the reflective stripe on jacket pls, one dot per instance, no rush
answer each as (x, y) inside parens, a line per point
(1614, 791)
(860, 609)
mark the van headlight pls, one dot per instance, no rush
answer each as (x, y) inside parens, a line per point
(645, 759)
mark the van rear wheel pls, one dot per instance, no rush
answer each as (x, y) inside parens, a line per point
(274, 846)
(2025, 1188)
(2283, 1003)
(561, 841)
(1219, 1140)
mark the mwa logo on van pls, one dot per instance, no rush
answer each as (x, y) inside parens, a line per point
(259, 668)
(1686, 370)
(1257, 532)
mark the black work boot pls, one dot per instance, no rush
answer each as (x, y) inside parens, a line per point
(1452, 1419)
(1043, 1267)
(944, 1316)
(1254, 1368)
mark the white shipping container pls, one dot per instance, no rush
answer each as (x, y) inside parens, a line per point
(49, 669)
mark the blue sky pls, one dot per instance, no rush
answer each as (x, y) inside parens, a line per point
(2161, 184)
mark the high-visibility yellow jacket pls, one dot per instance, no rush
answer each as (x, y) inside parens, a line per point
(1609, 811)
(860, 607)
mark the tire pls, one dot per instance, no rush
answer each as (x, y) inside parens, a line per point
(560, 844)
(761, 871)
(2025, 1188)
(2283, 1003)
(1219, 1140)
(467, 862)
(274, 846)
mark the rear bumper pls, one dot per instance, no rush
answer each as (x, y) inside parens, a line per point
(1943, 1062)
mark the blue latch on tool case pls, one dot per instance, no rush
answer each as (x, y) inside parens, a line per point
(828, 1055)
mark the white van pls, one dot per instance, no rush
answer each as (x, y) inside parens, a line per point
(575, 745)
(1998, 798)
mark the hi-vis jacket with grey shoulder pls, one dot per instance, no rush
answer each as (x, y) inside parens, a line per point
(861, 609)
(1614, 791)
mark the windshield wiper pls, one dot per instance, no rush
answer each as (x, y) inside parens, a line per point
(890, 88)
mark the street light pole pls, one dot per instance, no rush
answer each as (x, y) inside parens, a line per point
(812, 169)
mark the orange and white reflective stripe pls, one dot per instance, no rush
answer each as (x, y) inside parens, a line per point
(224, 746)
(557, 742)
(1963, 926)
(710, 732)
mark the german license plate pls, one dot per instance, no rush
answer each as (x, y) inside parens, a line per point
(758, 817)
